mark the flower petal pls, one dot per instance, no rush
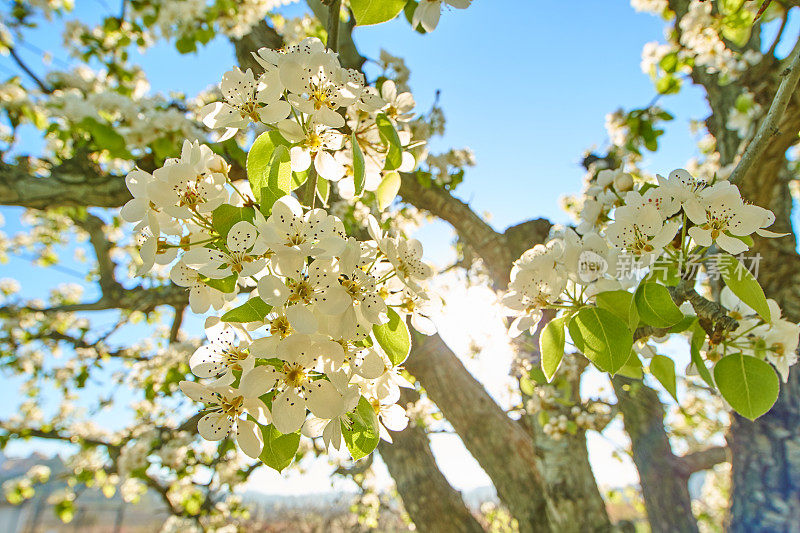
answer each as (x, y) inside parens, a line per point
(249, 438)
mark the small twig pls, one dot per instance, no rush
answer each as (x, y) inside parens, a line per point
(333, 25)
(21, 64)
(784, 20)
(703, 459)
(176, 324)
(769, 126)
(761, 10)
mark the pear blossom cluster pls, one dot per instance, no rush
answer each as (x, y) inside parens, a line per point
(306, 95)
(650, 226)
(317, 294)
(325, 292)
(776, 339)
(700, 42)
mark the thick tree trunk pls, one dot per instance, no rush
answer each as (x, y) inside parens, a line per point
(571, 486)
(433, 505)
(766, 453)
(500, 445)
(665, 490)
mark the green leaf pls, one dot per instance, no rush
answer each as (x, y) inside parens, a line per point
(744, 285)
(264, 169)
(737, 23)
(279, 449)
(669, 62)
(664, 271)
(602, 337)
(368, 12)
(551, 346)
(748, 384)
(527, 386)
(359, 167)
(323, 190)
(668, 84)
(225, 216)
(253, 310)
(388, 189)
(390, 139)
(105, 136)
(394, 338)
(280, 170)
(267, 199)
(663, 369)
(226, 285)
(698, 338)
(621, 304)
(537, 376)
(655, 306)
(632, 367)
(186, 44)
(685, 323)
(362, 437)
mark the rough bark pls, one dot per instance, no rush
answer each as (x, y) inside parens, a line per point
(572, 489)
(500, 445)
(665, 491)
(433, 505)
(766, 452)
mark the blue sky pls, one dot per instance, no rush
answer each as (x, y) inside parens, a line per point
(526, 85)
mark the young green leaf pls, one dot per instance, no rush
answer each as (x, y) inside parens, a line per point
(602, 337)
(368, 12)
(394, 338)
(632, 367)
(698, 338)
(280, 171)
(359, 167)
(551, 346)
(225, 285)
(527, 386)
(267, 199)
(744, 285)
(663, 369)
(225, 216)
(685, 323)
(748, 384)
(655, 306)
(253, 310)
(620, 303)
(388, 189)
(390, 139)
(279, 449)
(259, 159)
(362, 437)
(323, 190)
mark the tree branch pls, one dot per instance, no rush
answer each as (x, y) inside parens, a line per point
(334, 10)
(95, 227)
(713, 317)
(702, 460)
(472, 229)
(32, 75)
(75, 182)
(769, 126)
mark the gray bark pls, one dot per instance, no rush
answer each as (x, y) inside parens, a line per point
(499, 444)
(665, 490)
(433, 505)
